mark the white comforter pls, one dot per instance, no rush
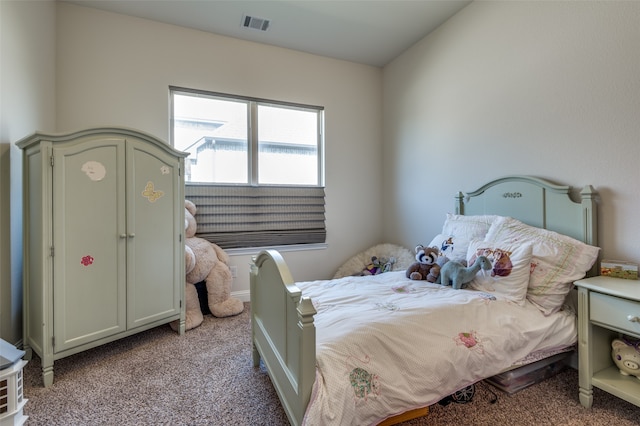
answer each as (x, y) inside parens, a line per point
(386, 344)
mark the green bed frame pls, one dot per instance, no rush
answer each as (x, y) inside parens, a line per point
(283, 333)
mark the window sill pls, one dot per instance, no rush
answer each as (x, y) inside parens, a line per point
(255, 250)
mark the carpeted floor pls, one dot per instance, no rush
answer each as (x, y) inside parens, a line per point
(206, 377)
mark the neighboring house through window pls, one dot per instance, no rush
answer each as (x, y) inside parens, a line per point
(255, 168)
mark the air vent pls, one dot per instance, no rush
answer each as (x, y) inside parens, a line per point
(254, 23)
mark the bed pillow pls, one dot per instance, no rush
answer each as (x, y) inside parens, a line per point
(509, 276)
(452, 247)
(557, 260)
(458, 231)
(467, 227)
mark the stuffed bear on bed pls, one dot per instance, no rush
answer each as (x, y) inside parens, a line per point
(427, 265)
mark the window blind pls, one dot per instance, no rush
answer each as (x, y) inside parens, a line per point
(246, 216)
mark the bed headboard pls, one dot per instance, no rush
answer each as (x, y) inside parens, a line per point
(536, 202)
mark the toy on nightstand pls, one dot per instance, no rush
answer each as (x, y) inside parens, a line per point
(626, 355)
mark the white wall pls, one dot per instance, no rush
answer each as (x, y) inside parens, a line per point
(542, 88)
(116, 70)
(550, 89)
(27, 92)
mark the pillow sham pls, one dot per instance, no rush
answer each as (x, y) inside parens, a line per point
(557, 260)
(509, 276)
(451, 247)
(458, 231)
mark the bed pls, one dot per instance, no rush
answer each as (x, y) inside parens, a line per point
(381, 349)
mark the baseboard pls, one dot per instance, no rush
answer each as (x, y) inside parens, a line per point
(201, 288)
(244, 295)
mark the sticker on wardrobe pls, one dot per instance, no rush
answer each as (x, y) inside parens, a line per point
(95, 170)
(151, 194)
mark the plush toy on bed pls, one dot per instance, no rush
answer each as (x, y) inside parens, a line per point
(458, 274)
(205, 261)
(378, 265)
(428, 264)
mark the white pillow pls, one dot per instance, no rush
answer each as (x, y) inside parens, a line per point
(458, 231)
(557, 260)
(467, 227)
(509, 276)
(452, 247)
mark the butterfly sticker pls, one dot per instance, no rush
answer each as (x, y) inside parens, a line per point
(151, 194)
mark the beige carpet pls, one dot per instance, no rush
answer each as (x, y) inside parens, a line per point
(206, 377)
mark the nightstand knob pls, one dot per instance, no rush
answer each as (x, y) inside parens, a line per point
(633, 318)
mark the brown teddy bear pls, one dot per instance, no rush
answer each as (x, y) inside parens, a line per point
(205, 261)
(427, 266)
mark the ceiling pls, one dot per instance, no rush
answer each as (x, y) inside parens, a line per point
(371, 32)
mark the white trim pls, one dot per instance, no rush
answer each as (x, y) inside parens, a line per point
(244, 295)
(253, 251)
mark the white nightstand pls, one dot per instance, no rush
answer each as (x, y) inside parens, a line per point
(607, 307)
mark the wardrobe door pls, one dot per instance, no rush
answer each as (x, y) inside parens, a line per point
(89, 235)
(154, 208)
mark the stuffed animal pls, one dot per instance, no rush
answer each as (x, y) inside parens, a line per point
(457, 274)
(427, 266)
(378, 265)
(626, 355)
(205, 261)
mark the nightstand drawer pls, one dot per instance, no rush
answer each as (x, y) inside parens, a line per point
(616, 312)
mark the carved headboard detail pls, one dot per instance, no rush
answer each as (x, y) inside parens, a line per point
(536, 202)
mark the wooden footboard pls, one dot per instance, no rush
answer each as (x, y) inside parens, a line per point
(284, 336)
(283, 333)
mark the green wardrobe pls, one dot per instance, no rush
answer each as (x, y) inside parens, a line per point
(103, 239)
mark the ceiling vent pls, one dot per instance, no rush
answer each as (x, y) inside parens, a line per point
(255, 23)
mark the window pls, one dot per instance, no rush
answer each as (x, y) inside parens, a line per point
(255, 168)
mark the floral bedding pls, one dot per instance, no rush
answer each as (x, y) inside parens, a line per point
(386, 344)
